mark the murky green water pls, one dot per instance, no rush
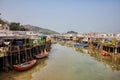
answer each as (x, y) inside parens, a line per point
(64, 63)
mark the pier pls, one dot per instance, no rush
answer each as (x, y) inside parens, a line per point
(20, 49)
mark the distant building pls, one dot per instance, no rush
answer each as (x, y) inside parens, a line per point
(4, 30)
(4, 27)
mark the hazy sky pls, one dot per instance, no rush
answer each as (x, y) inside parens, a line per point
(64, 15)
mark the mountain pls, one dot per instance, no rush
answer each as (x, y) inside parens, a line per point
(15, 26)
(36, 28)
(72, 32)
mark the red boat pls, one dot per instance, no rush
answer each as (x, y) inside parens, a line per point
(104, 53)
(42, 55)
(25, 66)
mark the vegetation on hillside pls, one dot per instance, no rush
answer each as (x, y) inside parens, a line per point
(14, 26)
(42, 30)
(17, 27)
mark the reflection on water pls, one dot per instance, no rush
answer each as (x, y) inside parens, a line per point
(65, 63)
(23, 75)
(112, 61)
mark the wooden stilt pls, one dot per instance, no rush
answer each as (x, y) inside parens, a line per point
(19, 61)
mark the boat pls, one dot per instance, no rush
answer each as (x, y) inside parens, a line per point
(25, 66)
(42, 55)
(54, 42)
(78, 45)
(104, 53)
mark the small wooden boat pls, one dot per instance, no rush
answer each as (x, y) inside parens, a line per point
(25, 66)
(104, 53)
(54, 42)
(42, 55)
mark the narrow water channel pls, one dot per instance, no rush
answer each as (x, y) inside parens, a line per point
(64, 63)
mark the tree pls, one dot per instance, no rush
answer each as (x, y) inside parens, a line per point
(14, 26)
(2, 22)
(17, 27)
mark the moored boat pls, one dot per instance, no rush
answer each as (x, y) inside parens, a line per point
(42, 55)
(54, 42)
(25, 66)
(104, 53)
(78, 45)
